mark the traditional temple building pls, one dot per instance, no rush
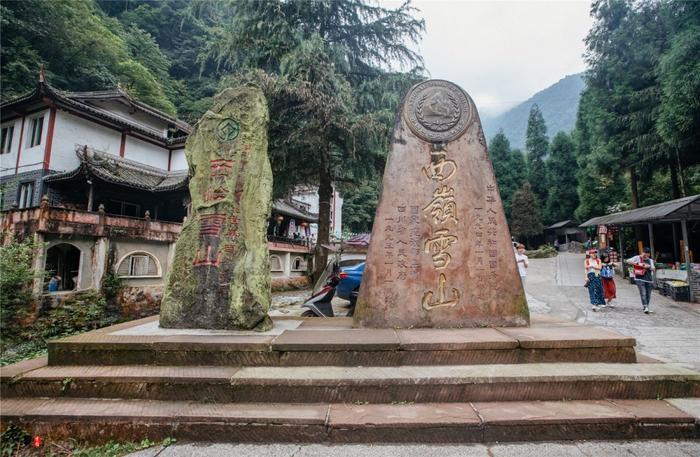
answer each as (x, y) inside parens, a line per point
(101, 181)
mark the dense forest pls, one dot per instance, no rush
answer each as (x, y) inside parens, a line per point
(334, 73)
(328, 70)
(637, 136)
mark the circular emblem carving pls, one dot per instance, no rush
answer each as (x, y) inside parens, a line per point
(438, 111)
(227, 130)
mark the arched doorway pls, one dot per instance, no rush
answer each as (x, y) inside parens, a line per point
(63, 263)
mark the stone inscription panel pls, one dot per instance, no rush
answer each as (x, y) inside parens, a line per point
(440, 254)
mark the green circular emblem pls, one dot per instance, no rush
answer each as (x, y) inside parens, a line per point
(227, 130)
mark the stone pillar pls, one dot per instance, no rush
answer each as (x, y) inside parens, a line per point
(220, 277)
(38, 264)
(287, 264)
(100, 257)
(441, 253)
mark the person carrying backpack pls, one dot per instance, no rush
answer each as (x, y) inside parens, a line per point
(607, 274)
(643, 268)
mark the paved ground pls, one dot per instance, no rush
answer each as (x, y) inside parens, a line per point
(554, 287)
(575, 449)
(671, 334)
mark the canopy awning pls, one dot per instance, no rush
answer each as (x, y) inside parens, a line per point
(686, 208)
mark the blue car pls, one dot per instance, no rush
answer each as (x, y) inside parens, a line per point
(350, 279)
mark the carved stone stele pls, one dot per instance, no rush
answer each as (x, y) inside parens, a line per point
(220, 276)
(441, 253)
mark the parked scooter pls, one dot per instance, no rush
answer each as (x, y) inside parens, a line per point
(319, 304)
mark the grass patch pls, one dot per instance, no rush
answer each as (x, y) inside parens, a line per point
(16, 442)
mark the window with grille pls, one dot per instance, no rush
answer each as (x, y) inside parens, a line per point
(26, 195)
(6, 139)
(275, 263)
(136, 265)
(35, 129)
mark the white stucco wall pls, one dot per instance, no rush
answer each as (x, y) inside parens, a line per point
(33, 158)
(70, 131)
(178, 161)
(310, 198)
(9, 160)
(116, 108)
(160, 251)
(146, 153)
(338, 215)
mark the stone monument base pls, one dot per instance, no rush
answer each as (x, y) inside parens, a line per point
(320, 380)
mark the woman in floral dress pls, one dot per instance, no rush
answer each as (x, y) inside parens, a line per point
(593, 266)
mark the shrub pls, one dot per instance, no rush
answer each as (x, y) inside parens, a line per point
(16, 277)
(82, 312)
(543, 252)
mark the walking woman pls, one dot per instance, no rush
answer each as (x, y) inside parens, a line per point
(607, 274)
(593, 266)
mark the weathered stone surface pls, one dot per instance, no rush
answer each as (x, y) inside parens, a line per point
(220, 276)
(441, 253)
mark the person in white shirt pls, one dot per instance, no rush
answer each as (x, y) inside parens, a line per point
(522, 262)
(643, 268)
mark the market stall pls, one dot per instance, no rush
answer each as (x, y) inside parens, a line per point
(671, 230)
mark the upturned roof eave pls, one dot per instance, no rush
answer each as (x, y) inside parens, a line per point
(65, 101)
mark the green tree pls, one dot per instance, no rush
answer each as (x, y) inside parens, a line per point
(359, 207)
(562, 200)
(182, 38)
(316, 57)
(623, 50)
(525, 210)
(601, 186)
(678, 123)
(509, 167)
(537, 145)
(16, 275)
(80, 48)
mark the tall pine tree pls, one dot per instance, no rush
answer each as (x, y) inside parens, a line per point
(562, 200)
(537, 145)
(314, 57)
(509, 167)
(526, 219)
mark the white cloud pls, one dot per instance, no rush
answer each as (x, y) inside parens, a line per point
(502, 52)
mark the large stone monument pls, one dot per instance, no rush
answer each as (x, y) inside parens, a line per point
(220, 277)
(441, 253)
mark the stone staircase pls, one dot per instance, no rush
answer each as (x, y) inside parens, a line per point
(312, 380)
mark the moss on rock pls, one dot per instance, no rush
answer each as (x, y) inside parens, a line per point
(220, 277)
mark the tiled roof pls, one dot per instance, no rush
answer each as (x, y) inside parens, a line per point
(124, 172)
(361, 239)
(78, 101)
(284, 207)
(117, 170)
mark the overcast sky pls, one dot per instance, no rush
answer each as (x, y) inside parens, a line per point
(502, 52)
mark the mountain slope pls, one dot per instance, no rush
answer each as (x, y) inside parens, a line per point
(558, 102)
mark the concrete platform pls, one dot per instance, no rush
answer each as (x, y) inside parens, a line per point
(321, 380)
(325, 342)
(99, 421)
(419, 384)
